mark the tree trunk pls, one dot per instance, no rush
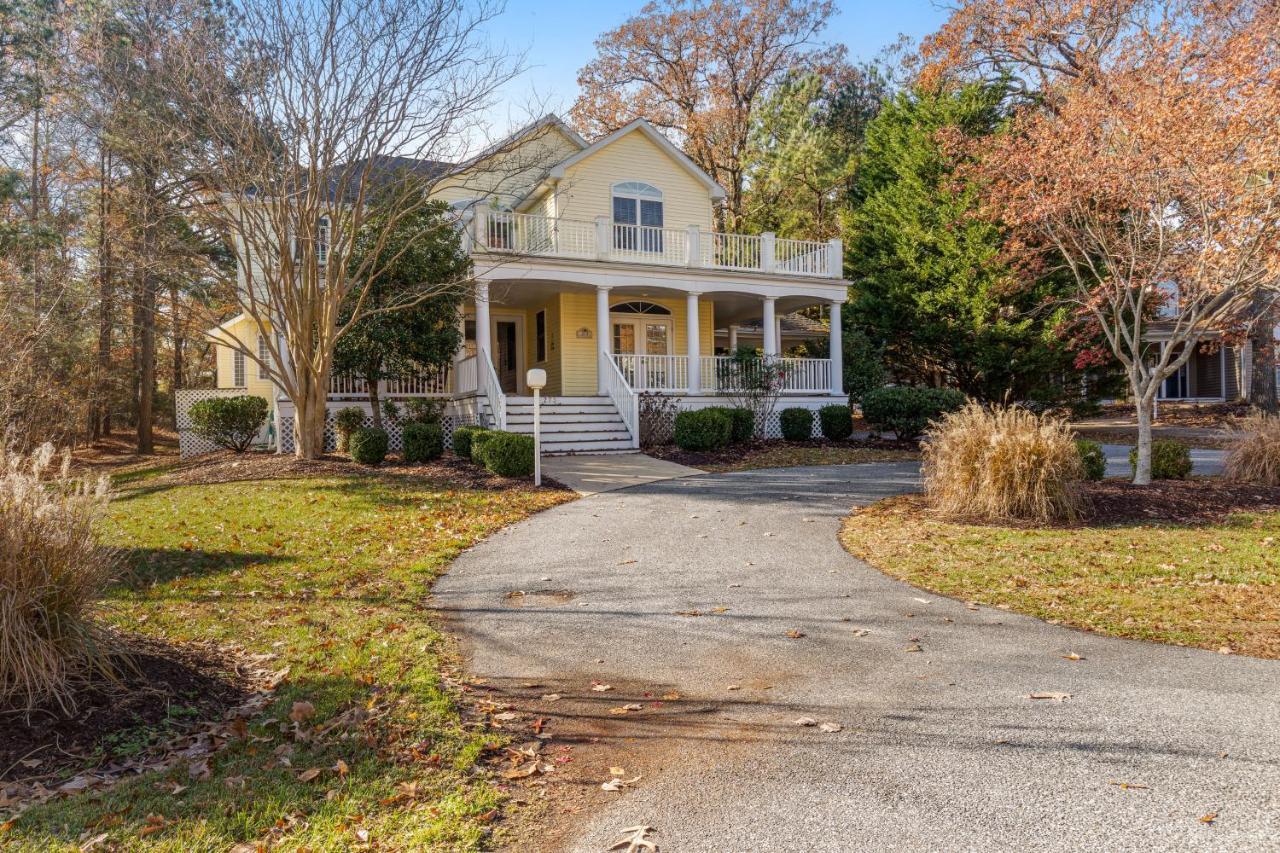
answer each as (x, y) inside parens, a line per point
(311, 412)
(374, 369)
(101, 407)
(149, 210)
(1262, 383)
(1142, 474)
(179, 342)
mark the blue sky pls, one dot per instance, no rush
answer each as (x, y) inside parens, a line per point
(558, 37)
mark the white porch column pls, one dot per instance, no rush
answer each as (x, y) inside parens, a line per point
(837, 357)
(693, 342)
(769, 326)
(733, 339)
(604, 337)
(483, 338)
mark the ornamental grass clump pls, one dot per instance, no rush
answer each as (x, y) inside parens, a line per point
(52, 575)
(1003, 464)
(1253, 455)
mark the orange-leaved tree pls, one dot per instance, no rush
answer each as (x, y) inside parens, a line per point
(697, 68)
(1145, 156)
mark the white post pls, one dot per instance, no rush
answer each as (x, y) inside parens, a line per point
(603, 243)
(479, 225)
(733, 339)
(693, 342)
(769, 326)
(693, 258)
(835, 257)
(483, 337)
(768, 242)
(537, 436)
(604, 339)
(837, 357)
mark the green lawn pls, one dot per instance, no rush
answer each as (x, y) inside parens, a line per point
(330, 576)
(1211, 585)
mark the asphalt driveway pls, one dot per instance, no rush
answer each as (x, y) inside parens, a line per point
(732, 591)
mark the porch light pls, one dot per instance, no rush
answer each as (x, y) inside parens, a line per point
(536, 379)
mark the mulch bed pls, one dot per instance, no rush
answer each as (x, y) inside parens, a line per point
(738, 453)
(225, 466)
(1194, 501)
(167, 690)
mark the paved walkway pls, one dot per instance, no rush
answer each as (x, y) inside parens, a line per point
(1204, 462)
(940, 746)
(590, 475)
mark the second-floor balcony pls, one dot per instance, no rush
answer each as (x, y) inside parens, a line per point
(534, 235)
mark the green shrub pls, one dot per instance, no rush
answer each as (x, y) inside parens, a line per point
(742, 423)
(906, 411)
(230, 422)
(423, 410)
(1170, 460)
(368, 445)
(423, 442)
(836, 422)
(462, 440)
(797, 424)
(345, 422)
(479, 443)
(1093, 462)
(509, 454)
(703, 429)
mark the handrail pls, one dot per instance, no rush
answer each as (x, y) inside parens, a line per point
(624, 397)
(491, 389)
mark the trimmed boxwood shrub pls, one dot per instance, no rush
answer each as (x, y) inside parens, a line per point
(230, 422)
(462, 440)
(836, 422)
(703, 429)
(479, 443)
(1093, 462)
(345, 422)
(1170, 460)
(423, 442)
(797, 424)
(368, 445)
(906, 410)
(742, 424)
(509, 454)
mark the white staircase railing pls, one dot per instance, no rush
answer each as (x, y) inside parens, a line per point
(491, 389)
(624, 397)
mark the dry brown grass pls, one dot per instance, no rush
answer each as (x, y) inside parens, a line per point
(1002, 464)
(1253, 455)
(52, 574)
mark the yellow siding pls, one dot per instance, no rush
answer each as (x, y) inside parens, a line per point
(554, 343)
(509, 175)
(245, 331)
(586, 191)
(578, 311)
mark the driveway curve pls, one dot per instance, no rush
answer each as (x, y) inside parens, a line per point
(940, 746)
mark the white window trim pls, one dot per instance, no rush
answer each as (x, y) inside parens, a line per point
(238, 377)
(264, 357)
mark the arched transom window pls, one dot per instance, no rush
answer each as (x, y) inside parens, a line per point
(637, 207)
(640, 307)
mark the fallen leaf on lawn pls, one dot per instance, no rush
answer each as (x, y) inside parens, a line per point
(308, 775)
(633, 706)
(198, 769)
(794, 634)
(597, 687)
(616, 771)
(1049, 694)
(31, 762)
(734, 687)
(831, 728)
(341, 768)
(688, 612)
(93, 842)
(806, 721)
(634, 839)
(719, 610)
(505, 716)
(671, 697)
(362, 834)
(1209, 818)
(528, 770)
(1072, 656)
(550, 697)
(302, 711)
(153, 824)
(914, 647)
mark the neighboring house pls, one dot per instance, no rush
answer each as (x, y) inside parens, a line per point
(1215, 373)
(600, 264)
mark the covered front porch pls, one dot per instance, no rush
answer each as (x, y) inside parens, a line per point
(658, 334)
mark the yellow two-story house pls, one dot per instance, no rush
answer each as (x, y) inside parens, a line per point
(601, 266)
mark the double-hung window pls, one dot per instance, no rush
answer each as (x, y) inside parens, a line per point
(237, 369)
(637, 217)
(264, 357)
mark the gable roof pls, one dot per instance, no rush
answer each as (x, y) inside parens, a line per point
(717, 192)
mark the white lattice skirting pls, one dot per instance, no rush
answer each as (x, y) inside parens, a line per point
(395, 431)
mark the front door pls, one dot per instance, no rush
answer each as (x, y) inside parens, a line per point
(505, 352)
(643, 336)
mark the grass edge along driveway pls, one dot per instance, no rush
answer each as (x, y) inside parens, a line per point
(329, 576)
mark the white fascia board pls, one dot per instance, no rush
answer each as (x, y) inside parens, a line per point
(659, 139)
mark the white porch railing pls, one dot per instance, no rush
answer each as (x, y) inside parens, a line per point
(544, 236)
(670, 373)
(624, 397)
(465, 378)
(491, 389)
(427, 383)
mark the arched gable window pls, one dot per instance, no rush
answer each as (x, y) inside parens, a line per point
(640, 307)
(637, 204)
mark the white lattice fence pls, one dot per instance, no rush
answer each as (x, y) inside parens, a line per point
(190, 444)
(395, 431)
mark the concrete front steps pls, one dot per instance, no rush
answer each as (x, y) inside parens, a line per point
(572, 424)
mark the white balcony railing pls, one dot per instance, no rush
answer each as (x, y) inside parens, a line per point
(718, 373)
(427, 383)
(543, 236)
